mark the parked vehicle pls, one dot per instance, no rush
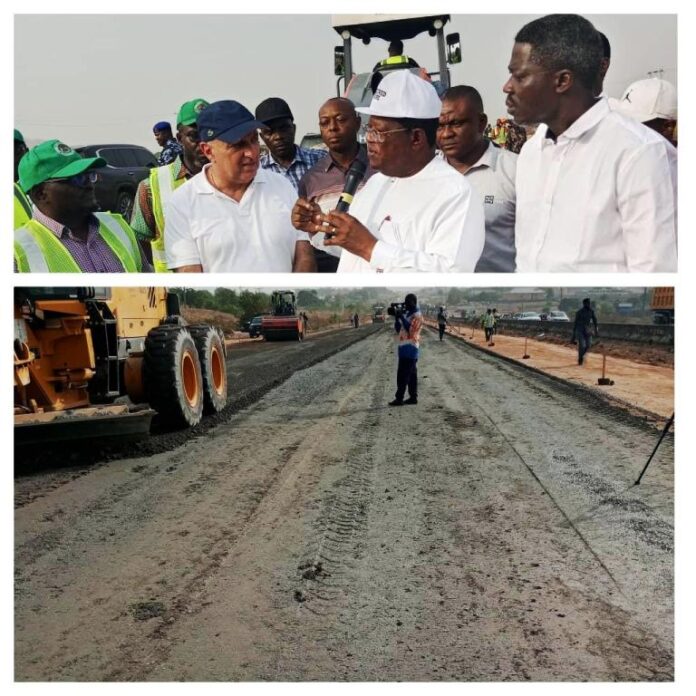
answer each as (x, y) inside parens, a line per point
(558, 316)
(662, 305)
(529, 316)
(255, 326)
(313, 141)
(126, 167)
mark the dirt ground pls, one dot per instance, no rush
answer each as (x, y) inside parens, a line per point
(637, 382)
(492, 532)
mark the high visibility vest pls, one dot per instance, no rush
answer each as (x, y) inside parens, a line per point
(394, 60)
(22, 207)
(163, 183)
(38, 250)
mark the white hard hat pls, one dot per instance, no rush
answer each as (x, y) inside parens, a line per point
(648, 99)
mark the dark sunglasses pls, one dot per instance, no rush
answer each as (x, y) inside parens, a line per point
(80, 180)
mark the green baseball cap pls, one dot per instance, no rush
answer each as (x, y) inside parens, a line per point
(18, 136)
(53, 160)
(188, 113)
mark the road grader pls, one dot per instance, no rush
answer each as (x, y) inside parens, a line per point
(92, 362)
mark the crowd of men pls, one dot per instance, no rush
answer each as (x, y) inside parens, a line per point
(593, 189)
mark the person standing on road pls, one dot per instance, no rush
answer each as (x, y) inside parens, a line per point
(171, 149)
(22, 204)
(356, 320)
(277, 131)
(408, 323)
(442, 321)
(489, 169)
(154, 192)
(417, 213)
(233, 216)
(596, 191)
(489, 326)
(321, 187)
(584, 318)
(66, 233)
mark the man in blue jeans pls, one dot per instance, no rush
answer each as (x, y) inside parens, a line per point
(407, 323)
(584, 317)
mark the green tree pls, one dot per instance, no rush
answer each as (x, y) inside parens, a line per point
(309, 299)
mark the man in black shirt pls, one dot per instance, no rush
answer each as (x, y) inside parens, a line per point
(584, 317)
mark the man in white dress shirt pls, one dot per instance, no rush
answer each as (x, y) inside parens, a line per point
(417, 213)
(596, 191)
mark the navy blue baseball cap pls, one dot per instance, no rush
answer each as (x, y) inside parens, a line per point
(226, 120)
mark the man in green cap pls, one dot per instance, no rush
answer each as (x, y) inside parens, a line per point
(153, 193)
(22, 205)
(67, 234)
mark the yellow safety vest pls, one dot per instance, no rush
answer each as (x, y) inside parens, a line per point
(38, 250)
(163, 183)
(394, 60)
(22, 207)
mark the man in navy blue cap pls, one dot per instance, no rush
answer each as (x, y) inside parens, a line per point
(234, 216)
(166, 140)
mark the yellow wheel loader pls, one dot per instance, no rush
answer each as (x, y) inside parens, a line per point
(98, 362)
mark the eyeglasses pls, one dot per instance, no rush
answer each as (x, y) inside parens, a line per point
(80, 180)
(378, 136)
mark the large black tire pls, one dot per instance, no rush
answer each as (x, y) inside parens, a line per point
(124, 204)
(172, 375)
(211, 353)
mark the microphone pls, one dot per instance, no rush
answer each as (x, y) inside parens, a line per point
(354, 176)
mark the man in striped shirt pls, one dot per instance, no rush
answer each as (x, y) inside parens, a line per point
(407, 324)
(278, 134)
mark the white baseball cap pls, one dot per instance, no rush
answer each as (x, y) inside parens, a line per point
(648, 99)
(402, 94)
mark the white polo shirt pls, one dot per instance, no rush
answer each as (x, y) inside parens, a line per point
(603, 198)
(493, 176)
(432, 221)
(204, 226)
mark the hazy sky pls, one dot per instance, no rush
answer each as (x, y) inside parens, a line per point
(109, 78)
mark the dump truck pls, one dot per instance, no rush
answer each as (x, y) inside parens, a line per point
(359, 87)
(98, 362)
(284, 323)
(662, 305)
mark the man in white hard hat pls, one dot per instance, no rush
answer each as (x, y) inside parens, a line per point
(653, 102)
(417, 213)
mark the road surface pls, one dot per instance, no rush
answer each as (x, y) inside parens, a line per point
(491, 532)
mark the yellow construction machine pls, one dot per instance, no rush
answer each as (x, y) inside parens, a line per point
(98, 362)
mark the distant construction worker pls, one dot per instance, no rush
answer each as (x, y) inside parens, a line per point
(154, 192)
(584, 317)
(442, 321)
(22, 204)
(166, 140)
(321, 187)
(396, 57)
(278, 133)
(407, 324)
(489, 326)
(66, 234)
